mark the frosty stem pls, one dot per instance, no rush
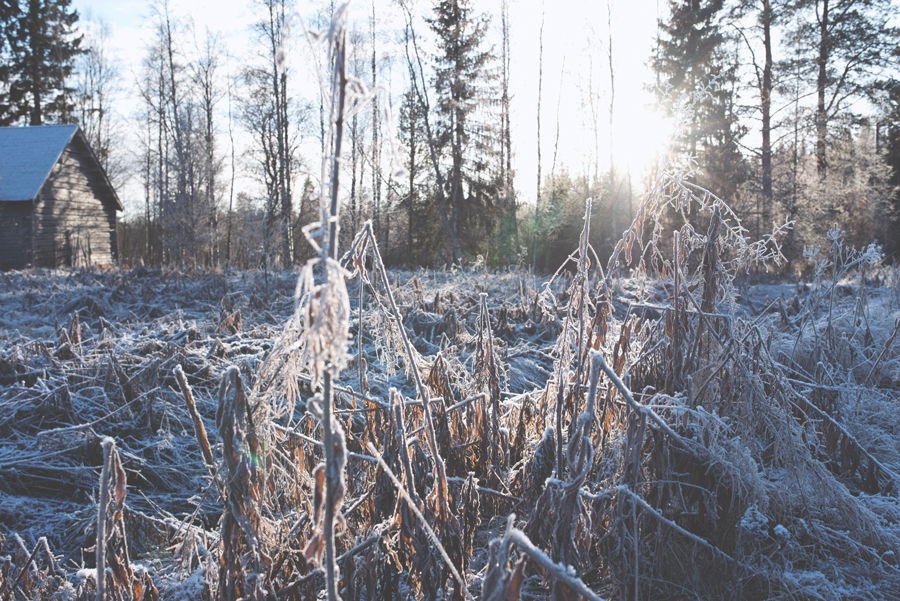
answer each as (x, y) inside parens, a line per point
(422, 521)
(109, 446)
(581, 282)
(329, 251)
(560, 572)
(420, 387)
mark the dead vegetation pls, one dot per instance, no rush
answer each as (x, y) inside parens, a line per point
(456, 435)
(575, 445)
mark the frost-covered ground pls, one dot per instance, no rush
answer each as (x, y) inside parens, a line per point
(87, 354)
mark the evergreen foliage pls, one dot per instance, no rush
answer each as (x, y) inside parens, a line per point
(799, 74)
(694, 58)
(462, 85)
(419, 206)
(40, 47)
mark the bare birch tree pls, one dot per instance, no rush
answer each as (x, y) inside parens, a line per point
(267, 114)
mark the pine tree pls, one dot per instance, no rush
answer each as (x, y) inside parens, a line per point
(9, 16)
(849, 43)
(764, 15)
(41, 46)
(888, 146)
(461, 78)
(421, 232)
(693, 56)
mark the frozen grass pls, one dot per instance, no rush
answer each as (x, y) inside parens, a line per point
(760, 495)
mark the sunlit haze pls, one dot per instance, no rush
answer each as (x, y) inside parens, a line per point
(641, 136)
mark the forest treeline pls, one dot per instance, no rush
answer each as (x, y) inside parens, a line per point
(793, 115)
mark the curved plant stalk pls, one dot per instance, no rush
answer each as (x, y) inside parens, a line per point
(42, 543)
(242, 534)
(400, 436)
(579, 286)
(440, 495)
(486, 366)
(580, 451)
(199, 428)
(560, 572)
(431, 436)
(112, 546)
(422, 521)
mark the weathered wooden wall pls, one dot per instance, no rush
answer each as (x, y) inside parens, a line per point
(15, 235)
(74, 214)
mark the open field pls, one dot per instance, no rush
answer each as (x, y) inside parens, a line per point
(752, 450)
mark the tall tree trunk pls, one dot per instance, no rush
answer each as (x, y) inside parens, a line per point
(207, 69)
(821, 83)
(766, 107)
(147, 175)
(287, 198)
(537, 197)
(179, 212)
(507, 216)
(161, 174)
(613, 188)
(173, 100)
(354, 208)
(36, 40)
(417, 75)
(562, 76)
(376, 172)
(457, 136)
(456, 190)
(231, 188)
(788, 246)
(410, 215)
(279, 82)
(612, 95)
(595, 125)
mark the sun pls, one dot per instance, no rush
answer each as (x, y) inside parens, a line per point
(642, 136)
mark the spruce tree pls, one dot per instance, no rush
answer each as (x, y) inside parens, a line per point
(422, 228)
(461, 84)
(9, 15)
(693, 57)
(40, 48)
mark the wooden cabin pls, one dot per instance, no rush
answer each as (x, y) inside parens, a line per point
(57, 205)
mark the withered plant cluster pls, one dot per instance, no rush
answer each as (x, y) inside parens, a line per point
(598, 436)
(108, 369)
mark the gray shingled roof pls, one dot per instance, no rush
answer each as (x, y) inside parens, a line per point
(27, 154)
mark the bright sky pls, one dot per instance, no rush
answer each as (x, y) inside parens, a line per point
(575, 41)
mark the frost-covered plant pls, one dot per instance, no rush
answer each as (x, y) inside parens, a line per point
(840, 261)
(331, 317)
(841, 258)
(673, 190)
(317, 340)
(323, 313)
